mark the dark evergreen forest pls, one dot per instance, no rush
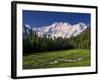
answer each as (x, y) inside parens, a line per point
(34, 44)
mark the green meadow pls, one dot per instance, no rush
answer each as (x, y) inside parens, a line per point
(57, 59)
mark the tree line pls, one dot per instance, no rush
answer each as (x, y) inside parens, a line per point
(34, 44)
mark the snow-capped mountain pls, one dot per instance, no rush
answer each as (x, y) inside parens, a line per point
(64, 30)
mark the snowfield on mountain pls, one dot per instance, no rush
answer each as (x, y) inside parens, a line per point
(57, 29)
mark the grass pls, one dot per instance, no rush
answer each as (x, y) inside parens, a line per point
(57, 59)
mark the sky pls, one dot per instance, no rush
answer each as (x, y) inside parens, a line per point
(45, 18)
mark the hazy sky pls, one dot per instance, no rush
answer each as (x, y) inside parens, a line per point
(43, 18)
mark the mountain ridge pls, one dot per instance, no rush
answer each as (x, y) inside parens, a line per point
(57, 29)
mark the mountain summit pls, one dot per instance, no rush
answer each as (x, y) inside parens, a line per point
(57, 29)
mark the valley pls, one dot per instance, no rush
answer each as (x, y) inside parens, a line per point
(56, 46)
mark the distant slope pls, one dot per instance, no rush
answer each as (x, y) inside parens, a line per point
(83, 40)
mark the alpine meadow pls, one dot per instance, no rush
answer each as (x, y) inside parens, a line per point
(56, 39)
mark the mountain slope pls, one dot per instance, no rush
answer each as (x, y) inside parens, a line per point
(33, 43)
(83, 40)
